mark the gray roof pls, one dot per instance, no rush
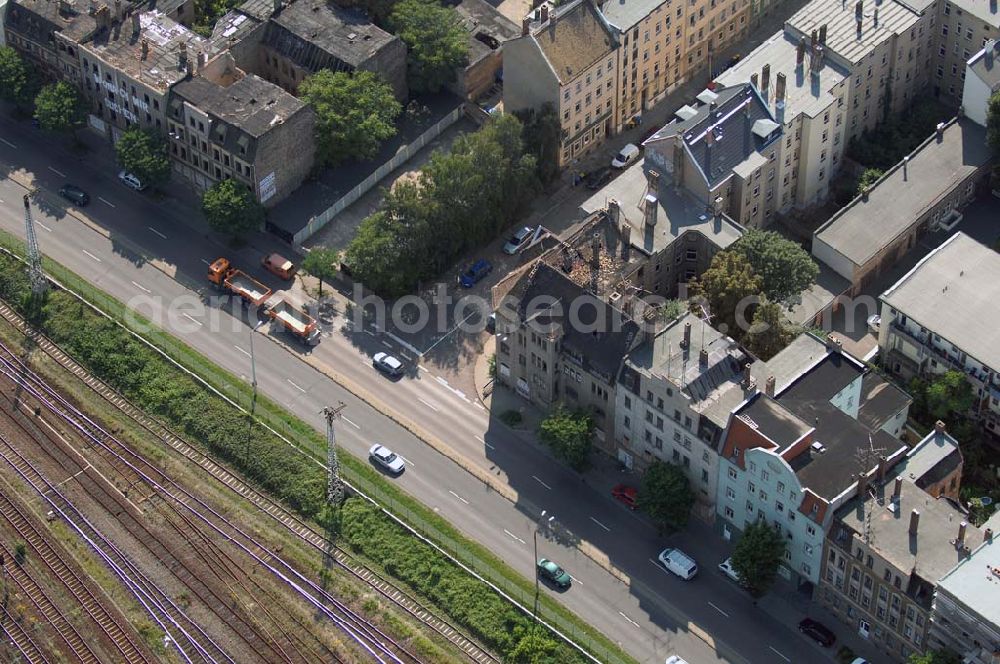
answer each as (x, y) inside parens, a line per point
(23, 16)
(719, 140)
(932, 459)
(574, 38)
(954, 291)
(774, 421)
(862, 229)
(317, 34)
(987, 68)
(623, 14)
(804, 351)
(838, 15)
(250, 104)
(677, 213)
(974, 584)
(984, 10)
(818, 296)
(880, 401)
(487, 28)
(803, 95)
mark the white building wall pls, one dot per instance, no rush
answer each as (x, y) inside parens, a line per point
(975, 96)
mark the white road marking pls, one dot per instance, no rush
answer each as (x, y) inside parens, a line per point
(597, 522)
(542, 483)
(290, 382)
(62, 175)
(91, 255)
(488, 445)
(513, 536)
(386, 343)
(205, 261)
(407, 461)
(576, 580)
(141, 287)
(779, 654)
(718, 609)
(350, 422)
(8, 143)
(658, 565)
(370, 333)
(157, 232)
(458, 496)
(194, 320)
(247, 353)
(628, 619)
(428, 404)
(478, 405)
(106, 202)
(38, 223)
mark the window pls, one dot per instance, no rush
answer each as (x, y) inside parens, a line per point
(729, 513)
(732, 473)
(779, 506)
(811, 530)
(751, 487)
(730, 494)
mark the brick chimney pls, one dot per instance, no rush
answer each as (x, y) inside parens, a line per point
(833, 344)
(862, 484)
(800, 52)
(525, 26)
(939, 427)
(882, 463)
(765, 79)
(897, 489)
(545, 14)
(769, 385)
(747, 378)
(144, 45)
(822, 35)
(960, 540)
(779, 88)
(686, 342)
(914, 522)
(703, 358)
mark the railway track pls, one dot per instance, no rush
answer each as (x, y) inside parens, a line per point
(19, 638)
(274, 510)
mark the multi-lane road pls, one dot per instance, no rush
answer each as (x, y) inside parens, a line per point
(145, 254)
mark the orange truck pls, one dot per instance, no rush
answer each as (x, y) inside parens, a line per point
(300, 324)
(228, 278)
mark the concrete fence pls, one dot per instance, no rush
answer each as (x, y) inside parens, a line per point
(317, 222)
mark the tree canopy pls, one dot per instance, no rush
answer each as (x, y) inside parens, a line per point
(543, 135)
(934, 657)
(768, 333)
(14, 76)
(727, 285)
(868, 178)
(461, 199)
(230, 208)
(757, 555)
(355, 114)
(322, 264)
(58, 107)
(993, 122)
(144, 155)
(437, 43)
(569, 434)
(666, 496)
(785, 268)
(948, 395)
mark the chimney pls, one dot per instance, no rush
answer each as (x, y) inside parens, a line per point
(833, 344)
(914, 522)
(800, 52)
(769, 386)
(182, 57)
(960, 540)
(779, 88)
(862, 484)
(103, 17)
(144, 44)
(897, 489)
(652, 181)
(939, 130)
(686, 343)
(875, 17)
(136, 25)
(882, 462)
(747, 378)
(615, 213)
(939, 427)
(649, 210)
(595, 252)
(678, 163)
(567, 260)
(703, 358)
(859, 10)
(118, 10)
(200, 59)
(626, 241)
(545, 14)
(709, 142)
(822, 35)
(991, 45)
(525, 26)
(812, 39)
(753, 80)
(276, 7)
(765, 79)
(988, 535)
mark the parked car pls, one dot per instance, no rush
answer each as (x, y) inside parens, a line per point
(679, 563)
(279, 266)
(874, 322)
(388, 364)
(818, 632)
(625, 494)
(518, 240)
(476, 272)
(74, 194)
(726, 567)
(598, 178)
(491, 323)
(675, 659)
(552, 573)
(131, 181)
(386, 458)
(860, 660)
(628, 154)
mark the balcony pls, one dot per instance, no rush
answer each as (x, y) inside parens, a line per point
(929, 351)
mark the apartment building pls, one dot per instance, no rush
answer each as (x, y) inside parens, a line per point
(889, 547)
(46, 32)
(939, 317)
(963, 29)
(924, 192)
(663, 41)
(675, 393)
(982, 80)
(225, 124)
(966, 611)
(488, 31)
(567, 59)
(724, 150)
(792, 454)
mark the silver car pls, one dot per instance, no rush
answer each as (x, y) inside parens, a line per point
(387, 364)
(386, 458)
(518, 240)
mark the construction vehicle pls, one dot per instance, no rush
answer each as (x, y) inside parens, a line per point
(228, 278)
(300, 324)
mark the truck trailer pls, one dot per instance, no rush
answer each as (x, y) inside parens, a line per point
(228, 278)
(300, 324)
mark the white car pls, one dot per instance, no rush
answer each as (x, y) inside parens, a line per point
(874, 322)
(518, 240)
(628, 154)
(726, 567)
(675, 659)
(386, 458)
(388, 364)
(131, 181)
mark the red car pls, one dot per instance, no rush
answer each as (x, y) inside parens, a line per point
(625, 494)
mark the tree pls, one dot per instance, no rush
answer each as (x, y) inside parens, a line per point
(322, 264)
(144, 155)
(949, 395)
(57, 107)
(757, 555)
(785, 268)
(543, 130)
(437, 44)
(768, 333)
(728, 285)
(665, 495)
(993, 122)
(869, 178)
(13, 75)
(569, 434)
(355, 114)
(230, 208)
(934, 657)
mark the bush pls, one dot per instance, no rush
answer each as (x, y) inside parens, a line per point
(511, 418)
(887, 144)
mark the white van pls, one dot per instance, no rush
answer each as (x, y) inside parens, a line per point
(628, 154)
(679, 563)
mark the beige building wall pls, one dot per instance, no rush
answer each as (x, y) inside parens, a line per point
(586, 107)
(958, 35)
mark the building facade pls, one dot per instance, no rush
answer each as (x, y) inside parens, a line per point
(963, 29)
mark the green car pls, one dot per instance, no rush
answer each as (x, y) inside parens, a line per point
(551, 572)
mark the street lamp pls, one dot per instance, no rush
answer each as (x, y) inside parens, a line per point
(253, 385)
(547, 523)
